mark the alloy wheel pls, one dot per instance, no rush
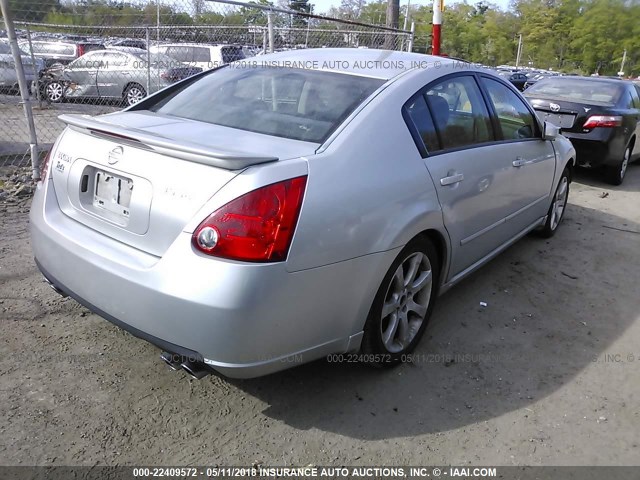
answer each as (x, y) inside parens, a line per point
(55, 91)
(134, 95)
(406, 302)
(559, 203)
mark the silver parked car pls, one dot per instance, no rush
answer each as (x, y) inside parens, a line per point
(250, 219)
(8, 74)
(121, 73)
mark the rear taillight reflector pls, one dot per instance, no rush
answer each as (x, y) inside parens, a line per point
(256, 227)
(44, 167)
(608, 121)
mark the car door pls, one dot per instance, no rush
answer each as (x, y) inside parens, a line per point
(114, 74)
(519, 140)
(474, 181)
(635, 95)
(81, 75)
(473, 168)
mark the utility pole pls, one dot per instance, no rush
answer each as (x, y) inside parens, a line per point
(438, 8)
(24, 87)
(624, 59)
(393, 14)
(519, 52)
(157, 21)
(406, 15)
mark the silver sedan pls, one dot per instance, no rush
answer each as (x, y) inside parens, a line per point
(119, 73)
(306, 203)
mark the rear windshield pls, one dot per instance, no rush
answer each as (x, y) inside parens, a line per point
(578, 90)
(284, 102)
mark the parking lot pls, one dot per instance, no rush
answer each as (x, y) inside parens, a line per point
(548, 372)
(14, 134)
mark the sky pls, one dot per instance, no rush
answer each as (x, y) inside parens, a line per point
(324, 5)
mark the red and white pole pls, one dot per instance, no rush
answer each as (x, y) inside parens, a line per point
(438, 7)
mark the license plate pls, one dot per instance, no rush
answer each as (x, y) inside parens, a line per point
(560, 120)
(113, 193)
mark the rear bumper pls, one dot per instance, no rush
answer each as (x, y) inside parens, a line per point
(243, 320)
(600, 147)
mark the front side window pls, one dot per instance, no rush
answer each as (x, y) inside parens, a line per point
(459, 113)
(635, 100)
(516, 120)
(284, 102)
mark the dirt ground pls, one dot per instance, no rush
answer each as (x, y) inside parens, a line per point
(548, 373)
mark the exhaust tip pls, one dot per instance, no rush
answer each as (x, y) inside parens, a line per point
(54, 288)
(172, 360)
(195, 370)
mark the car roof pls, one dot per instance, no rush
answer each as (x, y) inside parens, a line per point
(203, 45)
(601, 79)
(118, 48)
(368, 62)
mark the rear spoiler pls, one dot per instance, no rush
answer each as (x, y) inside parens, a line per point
(189, 151)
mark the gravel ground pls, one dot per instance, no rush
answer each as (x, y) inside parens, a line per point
(548, 373)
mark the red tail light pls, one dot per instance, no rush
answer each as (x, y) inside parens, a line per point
(44, 167)
(608, 121)
(81, 50)
(256, 227)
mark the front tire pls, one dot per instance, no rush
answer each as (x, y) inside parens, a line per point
(558, 206)
(402, 306)
(616, 173)
(54, 91)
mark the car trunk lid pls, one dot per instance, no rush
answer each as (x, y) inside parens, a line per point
(569, 116)
(139, 177)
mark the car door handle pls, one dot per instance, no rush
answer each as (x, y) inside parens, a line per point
(519, 162)
(458, 177)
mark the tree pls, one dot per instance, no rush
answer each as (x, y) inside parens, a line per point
(33, 10)
(301, 6)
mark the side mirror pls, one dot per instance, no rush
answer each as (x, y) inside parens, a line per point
(551, 131)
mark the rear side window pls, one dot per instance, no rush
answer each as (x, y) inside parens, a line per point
(189, 54)
(459, 113)
(515, 119)
(284, 102)
(54, 48)
(423, 123)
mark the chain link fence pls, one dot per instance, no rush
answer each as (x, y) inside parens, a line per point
(98, 56)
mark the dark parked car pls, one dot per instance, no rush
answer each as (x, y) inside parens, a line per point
(600, 116)
(60, 51)
(130, 42)
(518, 79)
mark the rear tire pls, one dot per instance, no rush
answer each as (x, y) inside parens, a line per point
(133, 94)
(402, 306)
(558, 206)
(616, 173)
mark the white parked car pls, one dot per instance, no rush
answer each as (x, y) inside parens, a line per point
(201, 55)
